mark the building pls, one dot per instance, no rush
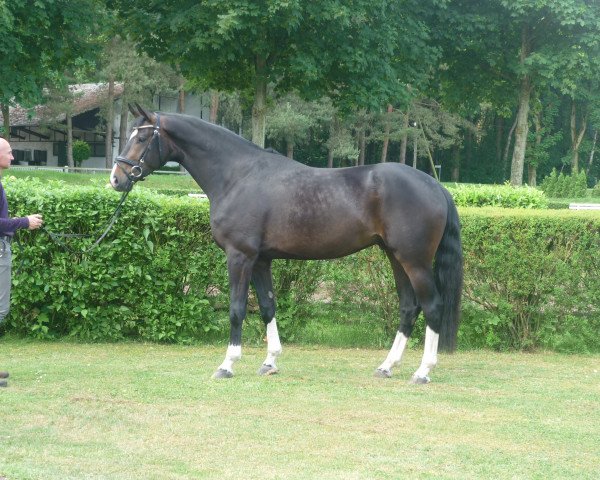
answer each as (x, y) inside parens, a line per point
(39, 140)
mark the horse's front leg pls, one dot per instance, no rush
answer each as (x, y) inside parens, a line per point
(239, 266)
(262, 280)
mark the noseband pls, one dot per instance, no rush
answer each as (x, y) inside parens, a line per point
(136, 172)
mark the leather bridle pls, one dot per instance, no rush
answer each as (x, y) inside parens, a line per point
(139, 169)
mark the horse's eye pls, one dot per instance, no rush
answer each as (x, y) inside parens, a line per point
(140, 139)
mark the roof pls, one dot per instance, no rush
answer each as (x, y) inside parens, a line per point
(88, 96)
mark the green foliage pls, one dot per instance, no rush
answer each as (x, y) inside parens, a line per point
(531, 281)
(565, 186)
(294, 282)
(290, 120)
(39, 41)
(505, 196)
(81, 151)
(154, 277)
(531, 276)
(297, 44)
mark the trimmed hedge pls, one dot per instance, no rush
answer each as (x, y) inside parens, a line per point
(531, 281)
(504, 196)
(531, 277)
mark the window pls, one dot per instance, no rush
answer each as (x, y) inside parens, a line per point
(40, 157)
(98, 150)
(22, 156)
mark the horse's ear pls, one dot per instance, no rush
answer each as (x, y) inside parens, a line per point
(147, 115)
(133, 111)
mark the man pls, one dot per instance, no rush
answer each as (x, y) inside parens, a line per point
(8, 226)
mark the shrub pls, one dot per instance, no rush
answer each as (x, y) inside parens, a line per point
(528, 274)
(81, 152)
(504, 196)
(531, 280)
(565, 186)
(531, 277)
(152, 278)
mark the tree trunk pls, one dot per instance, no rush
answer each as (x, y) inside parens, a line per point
(429, 154)
(6, 120)
(70, 162)
(181, 109)
(124, 119)
(330, 158)
(108, 144)
(333, 126)
(532, 167)
(415, 153)
(468, 149)
(589, 167)
(576, 137)
(181, 100)
(404, 141)
(361, 146)
(214, 106)
(522, 128)
(290, 149)
(455, 173)
(386, 135)
(259, 109)
(518, 159)
(499, 136)
(532, 175)
(507, 147)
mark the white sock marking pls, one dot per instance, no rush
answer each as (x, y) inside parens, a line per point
(273, 343)
(395, 354)
(234, 353)
(429, 354)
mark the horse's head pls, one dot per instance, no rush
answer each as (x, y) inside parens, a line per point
(144, 152)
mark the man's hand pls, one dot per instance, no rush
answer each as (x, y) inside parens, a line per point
(35, 221)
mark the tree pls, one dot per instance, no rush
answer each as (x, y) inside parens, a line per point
(59, 101)
(81, 151)
(341, 145)
(290, 120)
(39, 41)
(354, 51)
(517, 46)
(141, 77)
(542, 139)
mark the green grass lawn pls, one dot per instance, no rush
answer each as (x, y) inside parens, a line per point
(137, 411)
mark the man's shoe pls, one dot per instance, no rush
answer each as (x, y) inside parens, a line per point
(3, 383)
(3, 374)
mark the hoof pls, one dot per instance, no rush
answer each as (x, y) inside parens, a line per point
(268, 370)
(380, 373)
(220, 373)
(3, 383)
(420, 380)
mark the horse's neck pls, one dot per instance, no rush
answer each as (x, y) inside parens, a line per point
(215, 169)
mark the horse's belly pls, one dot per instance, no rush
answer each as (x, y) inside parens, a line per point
(320, 242)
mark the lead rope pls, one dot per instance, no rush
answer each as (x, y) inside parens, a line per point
(58, 237)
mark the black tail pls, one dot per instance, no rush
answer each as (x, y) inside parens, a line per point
(448, 271)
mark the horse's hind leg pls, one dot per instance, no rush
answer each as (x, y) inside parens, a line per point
(424, 285)
(262, 280)
(409, 310)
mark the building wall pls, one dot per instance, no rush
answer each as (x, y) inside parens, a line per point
(196, 105)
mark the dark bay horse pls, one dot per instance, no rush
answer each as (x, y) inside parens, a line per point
(265, 206)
